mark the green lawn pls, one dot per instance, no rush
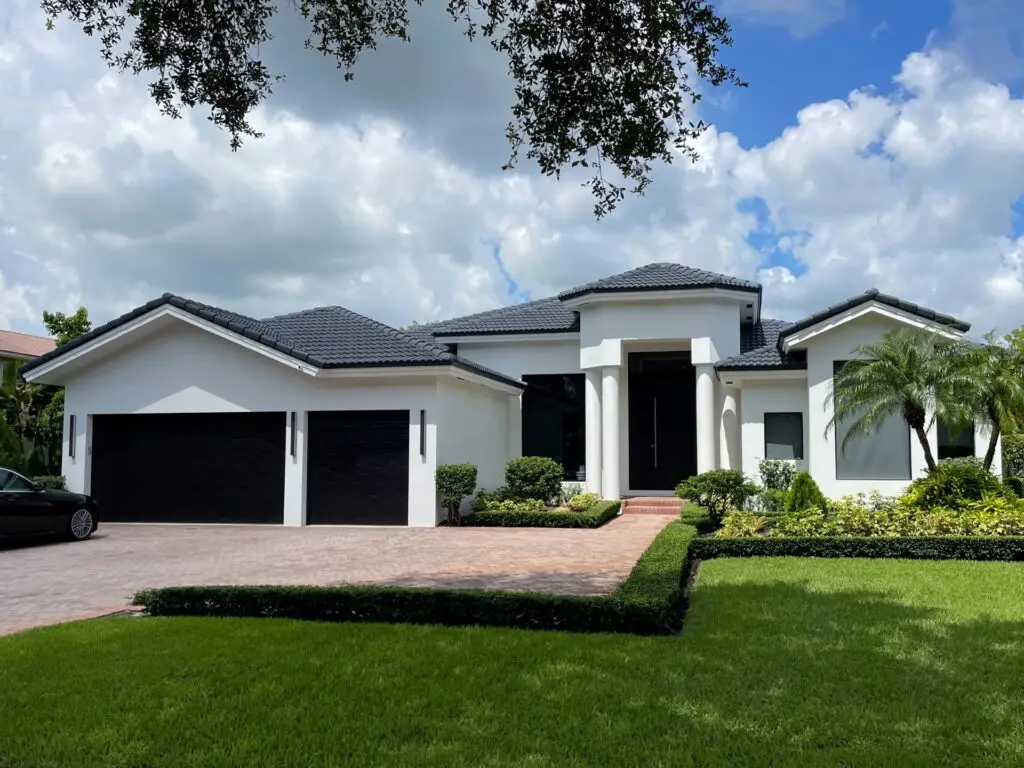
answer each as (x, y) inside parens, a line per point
(782, 662)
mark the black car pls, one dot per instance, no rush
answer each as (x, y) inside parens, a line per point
(27, 508)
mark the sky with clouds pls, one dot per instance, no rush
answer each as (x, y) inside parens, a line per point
(874, 147)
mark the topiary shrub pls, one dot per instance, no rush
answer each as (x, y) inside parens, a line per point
(534, 477)
(953, 483)
(57, 482)
(454, 483)
(718, 491)
(804, 494)
(776, 475)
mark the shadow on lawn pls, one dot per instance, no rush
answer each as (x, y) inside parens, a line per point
(852, 676)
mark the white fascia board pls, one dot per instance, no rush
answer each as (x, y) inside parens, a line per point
(489, 338)
(738, 377)
(416, 371)
(870, 308)
(166, 310)
(737, 295)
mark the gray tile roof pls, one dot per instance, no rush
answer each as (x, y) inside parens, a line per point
(759, 350)
(881, 298)
(325, 337)
(540, 316)
(662, 276)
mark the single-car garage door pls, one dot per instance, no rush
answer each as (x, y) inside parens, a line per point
(189, 467)
(357, 468)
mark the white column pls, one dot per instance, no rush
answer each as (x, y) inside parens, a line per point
(592, 408)
(706, 448)
(729, 431)
(515, 426)
(610, 432)
(295, 468)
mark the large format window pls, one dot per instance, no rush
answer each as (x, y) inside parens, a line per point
(882, 455)
(956, 446)
(784, 436)
(553, 420)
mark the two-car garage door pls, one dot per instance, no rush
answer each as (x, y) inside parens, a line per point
(230, 467)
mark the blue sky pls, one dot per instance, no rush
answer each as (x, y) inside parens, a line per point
(786, 72)
(386, 195)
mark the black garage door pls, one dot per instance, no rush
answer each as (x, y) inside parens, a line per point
(189, 468)
(357, 468)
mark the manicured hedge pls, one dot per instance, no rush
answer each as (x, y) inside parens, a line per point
(915, 548)
(595, 517)
(650, 602)
(697, 516)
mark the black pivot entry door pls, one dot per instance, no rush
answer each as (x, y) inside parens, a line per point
(662, 420)
(357, 470)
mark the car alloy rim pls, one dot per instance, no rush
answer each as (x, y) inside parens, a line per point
(81, 524)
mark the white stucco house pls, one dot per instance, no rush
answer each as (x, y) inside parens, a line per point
(182, 412)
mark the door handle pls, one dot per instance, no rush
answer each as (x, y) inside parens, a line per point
(655, 433)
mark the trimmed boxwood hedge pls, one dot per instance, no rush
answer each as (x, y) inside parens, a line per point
(649, 602)
(595, 517)
(909, 547)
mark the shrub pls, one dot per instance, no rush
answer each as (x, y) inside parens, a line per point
(567, 491)
(57, 482)
(454, 483)
(485, 498)
(582, 501)
(776, 475)
(768, 500)
(804, 494)
(718, 491)
(512, 514)
(918, 548)
(534, 477)
(514, 505)
(953, 483)
(877, 516)
(740, 524)
(698, 517)
(1014, 485)
(1013, 455)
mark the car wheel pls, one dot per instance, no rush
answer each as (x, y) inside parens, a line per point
(81, 524)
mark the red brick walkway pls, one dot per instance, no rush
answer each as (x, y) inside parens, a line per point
(54, 582)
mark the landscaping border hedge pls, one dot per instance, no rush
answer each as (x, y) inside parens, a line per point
(594, 517)
(909, 547)
(650, 602)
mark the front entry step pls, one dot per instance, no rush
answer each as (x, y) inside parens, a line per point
(652, 505)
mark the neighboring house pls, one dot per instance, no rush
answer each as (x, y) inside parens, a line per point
(181, 412)
(23, 346)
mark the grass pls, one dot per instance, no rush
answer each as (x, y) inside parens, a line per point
(783, 661)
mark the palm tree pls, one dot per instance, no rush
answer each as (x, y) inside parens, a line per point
(908, 373)
(995, 396)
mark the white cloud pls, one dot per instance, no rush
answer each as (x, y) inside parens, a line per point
(800, 17)
(108, 203)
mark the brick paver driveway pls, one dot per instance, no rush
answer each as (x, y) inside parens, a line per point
(53, 582)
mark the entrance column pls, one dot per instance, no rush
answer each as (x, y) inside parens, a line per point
(592, 410)
(729, 432)
(706, 447)
(610, 432)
